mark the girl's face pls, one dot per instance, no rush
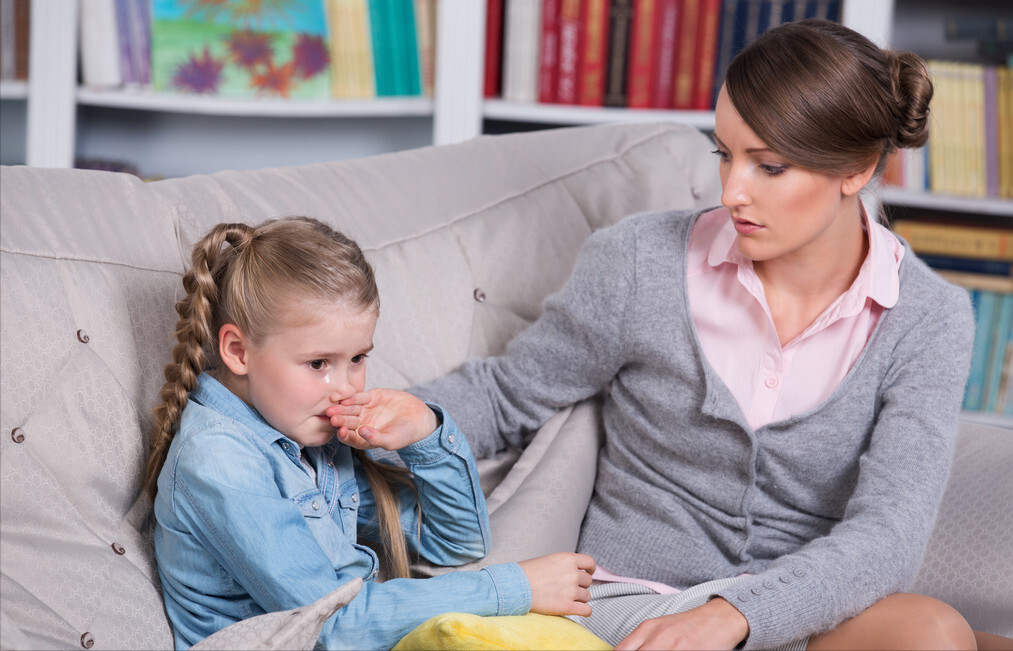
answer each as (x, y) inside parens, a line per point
(780, 211)
(294, 374)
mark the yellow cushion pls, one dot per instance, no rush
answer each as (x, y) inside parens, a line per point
(461, 631)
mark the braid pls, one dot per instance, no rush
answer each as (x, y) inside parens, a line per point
(382, 477)
(195, 336)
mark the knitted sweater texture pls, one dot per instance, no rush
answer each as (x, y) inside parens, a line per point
(829, 510)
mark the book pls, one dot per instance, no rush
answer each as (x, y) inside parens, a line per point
(708, 24)
(638, 75)
(1001, 327)
(276, 50)
(972, 265)
(7, 39)
(571, 36)
(382, 38)
(404, 35)
(133, 23)
(1005, 128)
(425, 24)
(548, 51)
(100, 52)
(956, 239)
(984, 311)
(493, 48)
(726, 42)
(666, 24)
(522, 24)
(990, 87)
(351, 51)
(685, 58)
(594, 52)
(969, 280)
(620, 17)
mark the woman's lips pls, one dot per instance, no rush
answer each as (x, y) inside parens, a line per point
(745, 227)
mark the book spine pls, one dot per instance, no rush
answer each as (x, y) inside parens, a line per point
(363, 67)
(638, 75)
(990, 83)
(984, 309)
(8, 39)
(493, 48)
(548, 51)
(1006, 132)
(707, 39)
(123, 38)
(666, 27)
(1003, 323)
(985, 282)
(425, 22)
(383, 71)
(619, 42)
(957, 240)
(22, 33)
(591, 78)
(411, 65)
(725, 44)
(142, 41)
(685, 58)
(570, 41)
(973, 265)
(100, 56)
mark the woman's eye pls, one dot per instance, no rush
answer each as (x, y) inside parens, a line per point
(318, 364)
(720, 154)
(774, 170)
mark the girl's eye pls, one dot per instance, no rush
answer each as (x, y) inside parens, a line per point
(318, 364)
(359, 359)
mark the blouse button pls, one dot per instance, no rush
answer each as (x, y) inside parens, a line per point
(771, 382)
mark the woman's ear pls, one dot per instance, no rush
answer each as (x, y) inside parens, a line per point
(233, 348)
(853, 183)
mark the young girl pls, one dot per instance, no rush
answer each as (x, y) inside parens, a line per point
(260, 507)
(782, 376)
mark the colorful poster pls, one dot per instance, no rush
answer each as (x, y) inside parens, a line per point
(260, 48)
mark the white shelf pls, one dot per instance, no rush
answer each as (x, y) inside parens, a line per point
(934, 201)
(569, 114)
(146, 100)
(13, 90)
(984, 418)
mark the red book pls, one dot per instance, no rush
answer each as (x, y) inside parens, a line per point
(685, 55)
(665, 32)
(570, 37)
(591, 74)
(707, 54)
(493, 47)
(548, 52)
(638, 79)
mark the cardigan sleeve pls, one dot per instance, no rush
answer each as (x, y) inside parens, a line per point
(877, 547)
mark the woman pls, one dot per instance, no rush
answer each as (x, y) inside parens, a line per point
(782, 377)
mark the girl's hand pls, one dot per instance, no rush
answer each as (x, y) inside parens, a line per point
(715, 625)
(382, 418)
(559, 583)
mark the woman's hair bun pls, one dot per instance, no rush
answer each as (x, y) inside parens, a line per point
(912, 86)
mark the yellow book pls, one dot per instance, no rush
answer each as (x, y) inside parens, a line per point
(957, 240)
(975, 133)
(352, 69)
(1005, 123)
(425, 25)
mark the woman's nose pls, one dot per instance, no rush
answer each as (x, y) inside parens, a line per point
(734, 186)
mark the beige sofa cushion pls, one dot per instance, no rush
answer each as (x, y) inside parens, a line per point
(90, 271)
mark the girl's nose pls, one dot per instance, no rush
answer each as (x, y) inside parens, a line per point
(340, 385)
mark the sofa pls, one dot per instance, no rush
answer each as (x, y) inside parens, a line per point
(466, 239)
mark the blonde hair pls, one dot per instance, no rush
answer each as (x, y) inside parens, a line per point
(249, 276)
(829, 99)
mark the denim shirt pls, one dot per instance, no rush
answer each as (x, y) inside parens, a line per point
(242, 529)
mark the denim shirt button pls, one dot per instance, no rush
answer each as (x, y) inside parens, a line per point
(284, 446)
(451, 438)
(316, 505)
(355, 498)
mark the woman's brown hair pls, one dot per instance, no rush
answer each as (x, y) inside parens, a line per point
(827, 98)
(249, 276)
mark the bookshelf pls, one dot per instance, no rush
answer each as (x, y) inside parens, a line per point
(57, 120)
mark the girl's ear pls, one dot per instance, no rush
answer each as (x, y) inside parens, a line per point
(233, 348)
(853, 183)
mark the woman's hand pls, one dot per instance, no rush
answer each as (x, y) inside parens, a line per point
(559, 583)
(382, 418)
(715, 625)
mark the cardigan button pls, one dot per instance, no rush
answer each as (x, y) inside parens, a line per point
(118, 548)
(479, 295)
(17, 435)
(87, 640)
(83, 337)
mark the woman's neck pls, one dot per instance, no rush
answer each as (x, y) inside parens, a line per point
(800, 286)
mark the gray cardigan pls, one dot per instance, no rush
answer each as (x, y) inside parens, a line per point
(829, 510)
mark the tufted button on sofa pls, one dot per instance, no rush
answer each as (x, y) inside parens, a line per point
(467, 241)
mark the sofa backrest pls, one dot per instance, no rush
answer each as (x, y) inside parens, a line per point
(467, 240)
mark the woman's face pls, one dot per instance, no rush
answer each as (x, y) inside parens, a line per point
(780, 211)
